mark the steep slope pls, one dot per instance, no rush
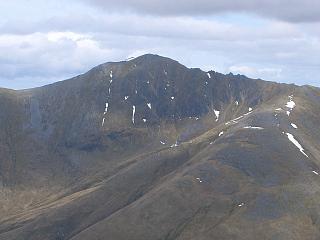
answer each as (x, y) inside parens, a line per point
(149, 149)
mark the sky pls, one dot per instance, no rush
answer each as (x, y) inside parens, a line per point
(42, 42)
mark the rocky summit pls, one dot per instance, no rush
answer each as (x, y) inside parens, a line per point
(148, 149)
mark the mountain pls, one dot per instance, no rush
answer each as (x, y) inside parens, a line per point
(150, 149)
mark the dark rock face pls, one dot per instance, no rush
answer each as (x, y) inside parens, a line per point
(149, 149)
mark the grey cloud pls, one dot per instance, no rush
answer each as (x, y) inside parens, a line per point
(164, 27)
(288, 10)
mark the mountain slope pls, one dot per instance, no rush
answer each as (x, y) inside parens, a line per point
(149, 149)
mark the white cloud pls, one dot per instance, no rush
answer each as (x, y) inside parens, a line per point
(58, 36)
(48, 56)
(267, 73)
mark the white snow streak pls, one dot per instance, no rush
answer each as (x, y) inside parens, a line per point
(296, 143)
(316, 173)
(107, 104)
(217, 113)
(294, 126)
(106, 109)
(220, 134)
(149, 105)
(257, 128)
(209, 76)
(133, 113)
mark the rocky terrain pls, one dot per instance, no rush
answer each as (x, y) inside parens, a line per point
(149, 149)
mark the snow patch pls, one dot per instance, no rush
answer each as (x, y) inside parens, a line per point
(241, 205)
(291, 105)
(106, 109)
(217, 113)
(296, 143)
(237, 103)
(250, 109)
(149, 105)
(199, 179)
(144, 120)
(220, 134)
(172, 98)
(236, 119)
(257, 128)
(294, 126)
(316, 173)
(175, 145)
(126, 97)
(209, 76)
(163, 143)
(133, 113)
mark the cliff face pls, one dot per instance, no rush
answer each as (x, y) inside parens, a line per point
(149, 149)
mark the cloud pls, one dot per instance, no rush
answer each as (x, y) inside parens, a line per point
(59, 45)
(268, 73)
(41, 58)
(288, 10)
(47, 57)
(151, 26)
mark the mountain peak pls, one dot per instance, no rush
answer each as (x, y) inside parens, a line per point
(152, 57)
(149, 142)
